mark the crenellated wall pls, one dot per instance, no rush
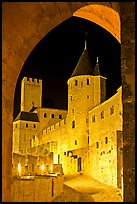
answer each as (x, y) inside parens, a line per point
(31, 93)
(49, 117)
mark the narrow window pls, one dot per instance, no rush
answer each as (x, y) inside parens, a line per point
(38, 80)
(76, 82)
(87, 96)
(81, 84)
(33, 138)
(16, 125)
(97, 144)
(26, 124)
(64, 153)
(86, 120)
(88, 139)
(106, 140)
(87, 81)
(75, 142)
(111, 110)
(72, 110)
(45, 115)
(52, 115)
(71, 98)
(102, 114)
(93, 118)
(32, 167)
(73, 124)
(34, 126)
(60, 116)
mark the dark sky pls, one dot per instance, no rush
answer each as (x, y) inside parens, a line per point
(56, 55)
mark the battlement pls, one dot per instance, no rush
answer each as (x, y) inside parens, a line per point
(32, 80)
(55, 127)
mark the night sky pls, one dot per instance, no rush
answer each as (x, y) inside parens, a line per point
(54, 58)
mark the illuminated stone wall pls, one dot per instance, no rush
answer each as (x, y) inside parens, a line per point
(84, 93)
(47, 119)
(16, 136)
(58, 133)
(27, 134)
(104, 122)
(30, 164)
(39, 189)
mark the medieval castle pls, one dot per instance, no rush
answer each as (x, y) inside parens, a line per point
(86, 138)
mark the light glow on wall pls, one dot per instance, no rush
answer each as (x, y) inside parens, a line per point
(19, 168)
(51, 168)
(55, 159)
(42, 167)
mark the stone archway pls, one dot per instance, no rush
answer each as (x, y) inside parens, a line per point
(30, 23)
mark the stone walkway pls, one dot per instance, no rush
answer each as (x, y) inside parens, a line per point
(82, 188)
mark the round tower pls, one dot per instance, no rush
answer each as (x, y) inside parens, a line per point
(84, 93)
(80, 100)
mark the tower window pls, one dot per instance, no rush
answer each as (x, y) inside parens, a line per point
(111, 110)
(34, 126)
(16, 125)
(45, 115)
(52, 115)
(71, 98)
(93, 118)
(88, 139)
(106, 140)
(76, 82)
(33, 138)
(102, 114)
(86, 120)
(87, 81)
(27, 125)
(72, 110)
(81, 84)
(60, 116)
(87, 96)
(75, 142)
(97, 144)
(73, 124)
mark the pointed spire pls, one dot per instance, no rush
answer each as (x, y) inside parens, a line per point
(84, 65)
(85, 41)
(96, 70)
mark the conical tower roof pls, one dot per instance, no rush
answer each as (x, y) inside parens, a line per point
(84, 65)
(96, 70)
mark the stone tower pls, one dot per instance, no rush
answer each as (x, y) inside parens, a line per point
(31, 93)
(85, 91)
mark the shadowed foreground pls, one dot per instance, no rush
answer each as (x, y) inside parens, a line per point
(82, 188)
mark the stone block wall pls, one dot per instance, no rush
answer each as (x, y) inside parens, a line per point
(37, 189)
